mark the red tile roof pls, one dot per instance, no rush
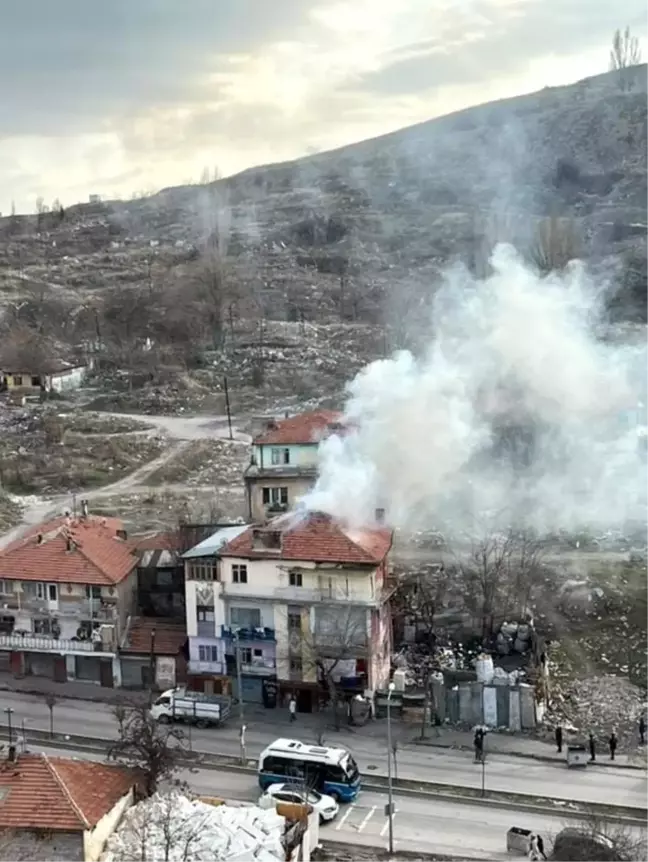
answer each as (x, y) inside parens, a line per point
(169, 637)
(303, 428)
(97, 556)
(164, 540)
(59, 794)
(315, 538)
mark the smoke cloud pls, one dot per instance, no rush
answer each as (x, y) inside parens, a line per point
(518, 411)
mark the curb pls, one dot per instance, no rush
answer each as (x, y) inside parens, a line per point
(630, 816)
(547, 758)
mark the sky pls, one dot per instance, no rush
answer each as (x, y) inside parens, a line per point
(129, 96)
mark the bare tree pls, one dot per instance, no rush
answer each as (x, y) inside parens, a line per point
(555, 244)
(596, 838)
(161, 828)
(339, 635)
(156, 750)
(499, 571)
(417, 601)
(624, 54)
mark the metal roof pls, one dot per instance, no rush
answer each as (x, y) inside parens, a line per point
(212, 544)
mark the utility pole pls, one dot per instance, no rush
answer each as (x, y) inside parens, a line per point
(227, 407)
(483, 766)
(9, 712)
(239, 683)
(152, 666)
(390, 791)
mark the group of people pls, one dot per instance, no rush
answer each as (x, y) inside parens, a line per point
(612, 740)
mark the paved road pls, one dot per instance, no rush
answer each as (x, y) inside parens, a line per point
(419, 824)
(607, 785)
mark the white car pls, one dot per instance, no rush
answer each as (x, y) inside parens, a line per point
(293, 794)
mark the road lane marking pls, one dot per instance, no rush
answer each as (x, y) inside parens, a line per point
(367, 819)
(386, 824)
(346, 814)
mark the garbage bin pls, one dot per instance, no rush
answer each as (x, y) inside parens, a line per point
(518, 840)
(577, 756)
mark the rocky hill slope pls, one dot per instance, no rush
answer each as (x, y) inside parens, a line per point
(358, 235)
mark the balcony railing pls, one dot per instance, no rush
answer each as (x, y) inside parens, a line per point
(215, 667)
(249, 634)
(40, 643)
(264, 668)
(301, 595)
(82, 609)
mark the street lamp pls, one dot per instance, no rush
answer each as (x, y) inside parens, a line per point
(390, 794)
(239, 683)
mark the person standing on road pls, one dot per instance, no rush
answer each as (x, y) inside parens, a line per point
(612, 742)
(559, 739)
(592, 747)
(479, 744)
(292, 708)
(642, 730)
(540, 846)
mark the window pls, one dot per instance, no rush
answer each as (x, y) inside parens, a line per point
(43, 627)
(205, 614)
(246, 655)
(280, 456)
(202, 570)
(35, 380)
(258, 653)
(52, 592)
(275, 496)
(92, 592)
(296, 665)
(163, 578)
(239, 573)
(294, 621)
(18, 381)
(6, 587)
(295, 579)
(245, 618)
(208, 653)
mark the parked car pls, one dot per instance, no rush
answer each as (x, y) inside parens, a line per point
(325, 806)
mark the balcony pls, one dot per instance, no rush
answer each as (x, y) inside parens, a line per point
(261, 668)
(38, 643)
(303, 595)
(206, 667)
(82, 609)
(249, 634)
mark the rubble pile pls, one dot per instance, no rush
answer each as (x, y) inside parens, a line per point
(178, 829)
(597, 704)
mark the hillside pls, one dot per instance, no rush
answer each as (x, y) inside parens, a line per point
(358, 235)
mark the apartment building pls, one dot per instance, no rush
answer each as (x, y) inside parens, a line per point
(292, 596)
(283, 466)
(67, 589)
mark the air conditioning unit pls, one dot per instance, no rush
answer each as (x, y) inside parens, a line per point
(399, 679)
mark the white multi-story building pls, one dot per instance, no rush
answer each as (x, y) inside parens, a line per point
(295, 597)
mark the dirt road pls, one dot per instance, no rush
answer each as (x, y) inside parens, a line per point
(183, 430)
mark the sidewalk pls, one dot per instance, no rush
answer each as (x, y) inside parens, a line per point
(312, 725)
(521, 745)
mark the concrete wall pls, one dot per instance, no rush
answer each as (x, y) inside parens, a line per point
(58, 847)
(94, 840)
(70, 379)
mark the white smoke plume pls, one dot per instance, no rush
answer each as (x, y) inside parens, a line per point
(515, 412)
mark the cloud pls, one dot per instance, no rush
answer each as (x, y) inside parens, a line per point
(123, 95)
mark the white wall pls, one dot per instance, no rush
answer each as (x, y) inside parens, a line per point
(265, 577)
(300, 456)
(71, 379)
(94, 840)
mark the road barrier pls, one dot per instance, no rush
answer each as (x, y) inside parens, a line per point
(567, 808)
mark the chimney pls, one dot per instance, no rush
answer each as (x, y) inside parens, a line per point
(380, 516)
(11, 754)
(84, 508)
(69, 544)
(39, 539)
